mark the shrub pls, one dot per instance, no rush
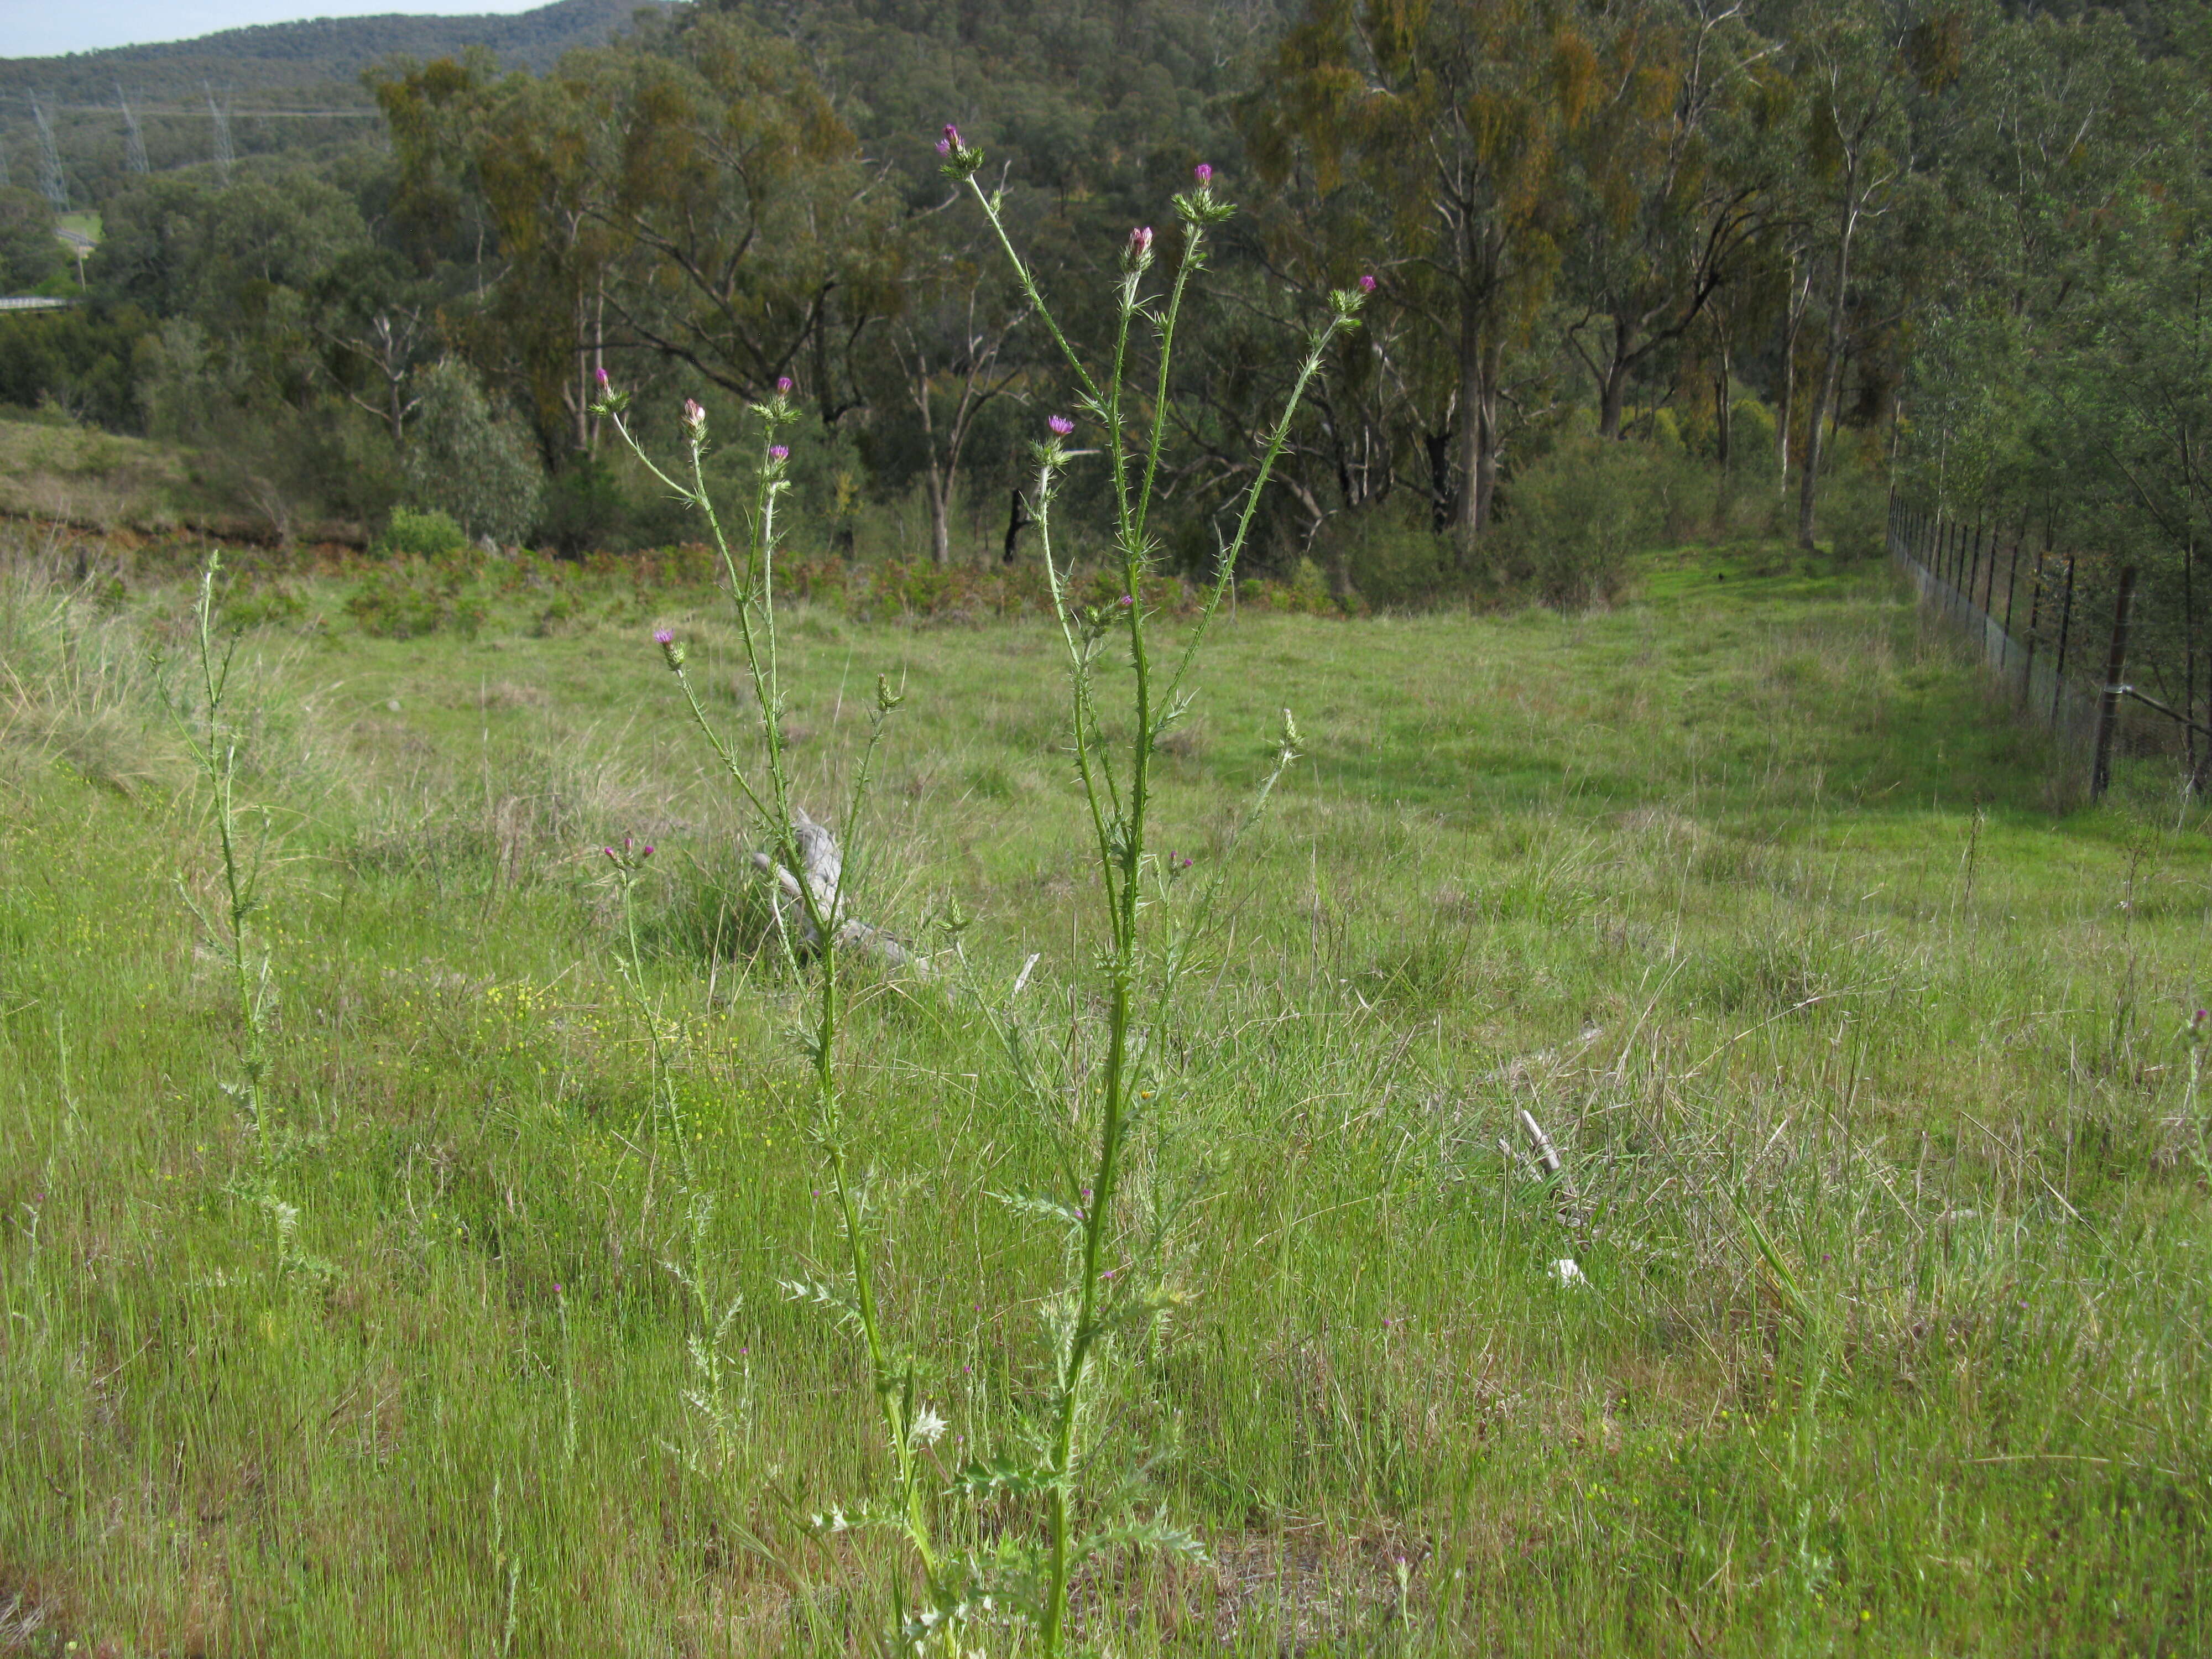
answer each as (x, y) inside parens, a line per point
(1853, 511)
(1572, 519)
(585, 508)
(412, 598)
(472, 461)
(1389, 561)
(412, 535)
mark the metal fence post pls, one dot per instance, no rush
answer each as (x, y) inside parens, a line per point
(2108, 707)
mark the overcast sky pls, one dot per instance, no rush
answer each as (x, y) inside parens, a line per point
(44, 28)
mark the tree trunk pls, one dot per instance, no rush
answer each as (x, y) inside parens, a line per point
(1486, 466)
(1793, 319)
(1438, 447)
(937, 484)
(1612, 390)
(1724, 411)
(1824, 396)
(1017, 520)
(1472, 434)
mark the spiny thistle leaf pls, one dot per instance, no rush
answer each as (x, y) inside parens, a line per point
(1004, 1475)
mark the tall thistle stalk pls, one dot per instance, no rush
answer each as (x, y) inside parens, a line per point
(1117, 780)
(213, 738)
(814, 907)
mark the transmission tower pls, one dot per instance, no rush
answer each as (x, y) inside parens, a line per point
(221, 113)
(134, 141)
(53, 185)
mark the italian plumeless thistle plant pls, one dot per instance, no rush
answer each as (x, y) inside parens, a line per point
(1148, 944)
(806, 861)
(201, 714)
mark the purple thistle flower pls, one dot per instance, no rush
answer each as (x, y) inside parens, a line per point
(663, 637)
(1061, 425)
(694, 416)
(648, 851)
(778, 453)
(600, 375)
(1367, 284)
(783, 385)
(1125, 601)
(950, 142)
(1204, 174)
(1140, 242)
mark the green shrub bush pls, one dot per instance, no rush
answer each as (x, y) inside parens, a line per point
(1571, 519)
(412, 535)
(412, 598)
(1389, 559)
(472, 460)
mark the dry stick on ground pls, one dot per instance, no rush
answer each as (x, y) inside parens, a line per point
(1563, 1189)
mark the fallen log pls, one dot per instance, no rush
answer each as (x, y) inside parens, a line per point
(822, 869)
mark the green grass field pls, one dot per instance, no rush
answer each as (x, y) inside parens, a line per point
(1863, 1045)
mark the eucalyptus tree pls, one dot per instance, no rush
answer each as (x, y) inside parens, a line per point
(1455, 118)
(1670, 187)
(1851, 65)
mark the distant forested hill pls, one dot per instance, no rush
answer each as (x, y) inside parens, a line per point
(313, 65)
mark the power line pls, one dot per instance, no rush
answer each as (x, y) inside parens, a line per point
(193, 114)
(223, 154)
(54, 184)
(134, 142)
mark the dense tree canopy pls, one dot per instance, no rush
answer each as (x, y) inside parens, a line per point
(1764, 244)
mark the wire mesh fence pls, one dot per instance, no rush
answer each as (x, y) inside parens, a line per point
(2107, 653)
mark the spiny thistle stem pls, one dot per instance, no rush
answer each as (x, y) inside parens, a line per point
(214, 746)
(629, 867)
(1118, 818)
(753, 588)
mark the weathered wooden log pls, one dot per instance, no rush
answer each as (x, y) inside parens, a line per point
(822, 869)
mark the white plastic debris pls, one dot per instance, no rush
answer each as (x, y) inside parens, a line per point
(1566, 1271)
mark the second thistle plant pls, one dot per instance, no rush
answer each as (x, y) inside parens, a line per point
(808, 860)
(1142, 963)
(202, 715)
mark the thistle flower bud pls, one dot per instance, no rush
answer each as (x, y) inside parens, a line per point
(600, 375)
(1061, 425)
(1139, 252)
(783, 385)
(778, 454)
(1367, 283)
(671, 648)
(1204, 176)
(887, 699)
(694, 418)
(961, 160)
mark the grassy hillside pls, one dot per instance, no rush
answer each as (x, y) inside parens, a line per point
(80, 476)
(1861, 1045)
